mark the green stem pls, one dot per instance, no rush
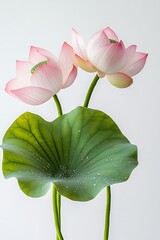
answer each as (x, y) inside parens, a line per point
(108, 189)
(90, 91)
(58, 105)
(55, 194)
(107, 217)
(59, 207)
(55, 212)
(58, 204)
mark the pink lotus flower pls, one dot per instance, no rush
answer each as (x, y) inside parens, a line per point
(106, 55)
(135, 63)
(42, 76)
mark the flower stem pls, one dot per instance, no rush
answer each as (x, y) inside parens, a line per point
(56, 197)
(55, 212)
(58, 105)
(108, 189)
(90, 91)
(107, 217)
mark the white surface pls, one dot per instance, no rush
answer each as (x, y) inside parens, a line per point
(135, 204)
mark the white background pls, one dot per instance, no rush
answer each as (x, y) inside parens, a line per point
(136, 203)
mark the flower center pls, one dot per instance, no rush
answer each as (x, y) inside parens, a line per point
(113, 41)
(37, 66)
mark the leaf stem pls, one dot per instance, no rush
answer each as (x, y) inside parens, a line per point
(56, 197)
(90, 91)
(107, 217)
(55, 212)
(59, 207)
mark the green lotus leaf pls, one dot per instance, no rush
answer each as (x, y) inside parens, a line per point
(80, 152)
